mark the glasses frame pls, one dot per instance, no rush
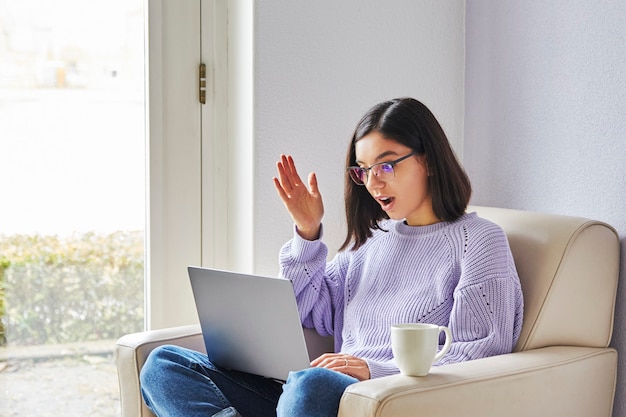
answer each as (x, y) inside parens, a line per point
(352, 170)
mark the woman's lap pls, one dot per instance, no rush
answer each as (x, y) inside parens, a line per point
(313, 392)
(178, 381)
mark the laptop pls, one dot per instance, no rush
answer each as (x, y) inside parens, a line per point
(249, 323)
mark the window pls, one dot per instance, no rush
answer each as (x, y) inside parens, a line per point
(72, 178)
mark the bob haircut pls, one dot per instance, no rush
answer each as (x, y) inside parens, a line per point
(411, 123)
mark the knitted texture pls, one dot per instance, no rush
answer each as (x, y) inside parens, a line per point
(458, 274)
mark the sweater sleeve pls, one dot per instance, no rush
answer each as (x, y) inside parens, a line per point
(318, 285)
(379, 369)
(486, 316)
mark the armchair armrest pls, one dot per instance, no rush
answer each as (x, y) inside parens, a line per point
(550, 382)
(131, 352)
(554, 381)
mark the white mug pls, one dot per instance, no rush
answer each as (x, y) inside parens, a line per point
(414, 346)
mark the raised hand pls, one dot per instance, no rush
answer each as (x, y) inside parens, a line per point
(304, 204)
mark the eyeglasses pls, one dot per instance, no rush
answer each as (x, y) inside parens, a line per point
(382, 170)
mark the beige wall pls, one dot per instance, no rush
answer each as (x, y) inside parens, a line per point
(544, 121)
(318, 67)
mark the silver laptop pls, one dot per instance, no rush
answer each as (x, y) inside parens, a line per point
(249, 323)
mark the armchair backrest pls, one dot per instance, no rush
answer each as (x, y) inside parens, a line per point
(568, 268)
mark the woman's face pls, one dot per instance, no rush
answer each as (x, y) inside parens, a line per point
(407, 196)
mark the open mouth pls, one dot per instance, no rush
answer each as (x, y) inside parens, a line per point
(385, 202)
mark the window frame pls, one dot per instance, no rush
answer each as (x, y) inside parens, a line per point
(194, 183)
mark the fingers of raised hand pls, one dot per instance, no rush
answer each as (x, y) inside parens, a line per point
(280, 190)
(287, 174)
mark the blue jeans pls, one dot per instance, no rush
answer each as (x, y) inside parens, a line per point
(180, 382)
(313, 392)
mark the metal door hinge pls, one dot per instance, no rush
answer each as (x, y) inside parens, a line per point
(202, 83)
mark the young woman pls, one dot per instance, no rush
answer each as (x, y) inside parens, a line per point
(411, 254)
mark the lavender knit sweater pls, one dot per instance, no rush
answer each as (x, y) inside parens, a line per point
(459, 274)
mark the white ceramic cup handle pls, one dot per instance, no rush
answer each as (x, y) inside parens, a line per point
(446, 345)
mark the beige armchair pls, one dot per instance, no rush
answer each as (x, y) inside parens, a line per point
(562, 365)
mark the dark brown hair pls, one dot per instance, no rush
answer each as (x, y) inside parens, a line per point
(411, 123)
